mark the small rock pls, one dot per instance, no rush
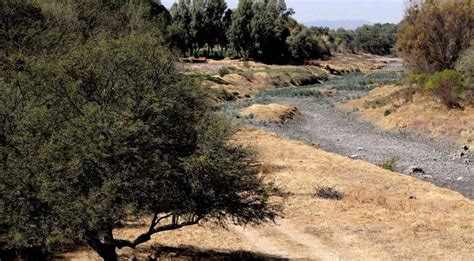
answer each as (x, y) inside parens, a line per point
(448, 178)
(354, 156)
(415, 170)
(467, 161)
(412, 197)
(427, 177)
(465, 148)
(360, 148)
(459, 179)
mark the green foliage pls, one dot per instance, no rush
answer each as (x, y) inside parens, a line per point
(303, 45)
(375, 39)
(100, 128)
(447, 85)
(199, 23)
(343, 40)
(434, 34)
(264, 31)
(465, 64)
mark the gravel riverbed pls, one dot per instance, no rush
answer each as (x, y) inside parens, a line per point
(330, 129)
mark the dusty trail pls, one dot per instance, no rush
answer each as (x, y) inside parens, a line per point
(286, 241)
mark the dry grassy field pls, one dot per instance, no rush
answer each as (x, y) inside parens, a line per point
(390, 107)
(383, 216)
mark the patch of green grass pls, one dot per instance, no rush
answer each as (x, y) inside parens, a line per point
(303, 91)
(360, 81)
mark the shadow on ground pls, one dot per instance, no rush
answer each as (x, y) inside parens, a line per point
(192, 253)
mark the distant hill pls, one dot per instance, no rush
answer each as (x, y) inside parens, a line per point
(346, 24)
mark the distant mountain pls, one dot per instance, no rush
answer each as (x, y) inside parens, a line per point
(346, 24)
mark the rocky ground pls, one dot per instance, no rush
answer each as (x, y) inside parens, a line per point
(325, 126)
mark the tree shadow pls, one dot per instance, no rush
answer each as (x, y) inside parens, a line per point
(196, 254)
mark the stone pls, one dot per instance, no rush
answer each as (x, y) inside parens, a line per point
(354, 156)
(459, 179)
(415, 170)
(427, 177)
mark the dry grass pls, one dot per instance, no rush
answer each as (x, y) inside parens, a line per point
(356, 62)
(274, 112)
(376, 219)
(390, 108)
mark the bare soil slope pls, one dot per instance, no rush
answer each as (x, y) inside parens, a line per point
(384, 215)
(274, 112)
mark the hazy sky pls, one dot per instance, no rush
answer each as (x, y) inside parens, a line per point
(370, 10)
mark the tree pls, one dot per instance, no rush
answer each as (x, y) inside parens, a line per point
(303, 45)
(343, 39)
(181, 31)
(214, 25)
(434, 33)
(107, 131)
(269, 31)
(226, 24)
(375, 39)
(241, 29)
(114, 134)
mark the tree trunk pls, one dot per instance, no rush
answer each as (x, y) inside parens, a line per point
(105, 250)
(108, 253)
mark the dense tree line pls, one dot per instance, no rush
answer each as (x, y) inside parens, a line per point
(376, 39)
(98, 128)
(260, 30)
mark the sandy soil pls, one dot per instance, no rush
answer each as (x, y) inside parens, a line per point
(384, 215)
(277, 113)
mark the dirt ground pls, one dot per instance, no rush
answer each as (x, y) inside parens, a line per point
(384, 215)
(388, 108)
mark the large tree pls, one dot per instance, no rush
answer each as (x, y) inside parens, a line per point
(241, 28)
(108, 132)
(434, 33)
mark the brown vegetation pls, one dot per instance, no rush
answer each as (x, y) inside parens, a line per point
(270, 113)
(434, 33)
(400, 108)
(384, 215)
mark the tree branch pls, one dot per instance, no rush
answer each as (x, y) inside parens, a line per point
(120, 243)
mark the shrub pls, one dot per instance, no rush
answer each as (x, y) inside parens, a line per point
(247, 65)
(329, 193)
(223, 71)
(390, 163)
(416, 78)
(465, 64)
(447, 85)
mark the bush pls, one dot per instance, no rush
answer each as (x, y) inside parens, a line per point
(329, 193)
(465, 64)
(223, 71)
(447, 85)
(390, 163)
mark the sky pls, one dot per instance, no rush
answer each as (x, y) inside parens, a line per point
(375, 11)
